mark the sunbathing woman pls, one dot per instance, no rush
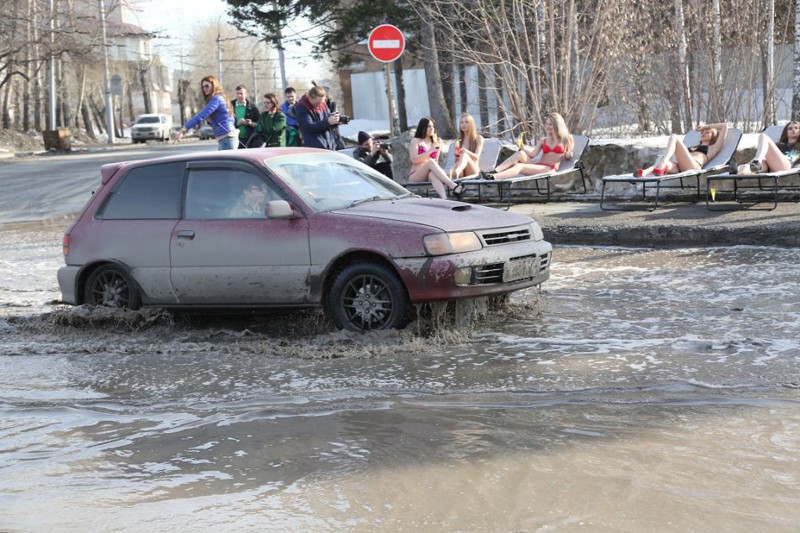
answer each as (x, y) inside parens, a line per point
(772, 157)
(712, 139)
(555, 147)
(468, 148)
(424, 153)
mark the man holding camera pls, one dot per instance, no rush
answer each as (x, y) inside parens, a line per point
(370, 151)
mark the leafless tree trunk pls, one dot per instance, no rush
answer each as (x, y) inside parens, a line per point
(683, 66)
(769, 94)
(716, 63)
(438, 105)
(796, 70)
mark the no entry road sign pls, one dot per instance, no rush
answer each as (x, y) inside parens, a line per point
(386, 43)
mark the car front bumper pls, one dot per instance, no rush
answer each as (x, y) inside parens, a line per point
(147, 135)
(490, 271)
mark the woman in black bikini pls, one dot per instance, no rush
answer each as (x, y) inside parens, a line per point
(555, 147)
(775, 157)
(712, 139)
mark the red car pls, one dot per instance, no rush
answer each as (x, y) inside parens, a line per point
(288, 227)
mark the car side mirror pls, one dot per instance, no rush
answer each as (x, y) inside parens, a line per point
(279, 209)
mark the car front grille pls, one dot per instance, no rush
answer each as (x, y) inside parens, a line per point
(506, 236)
(493, 273)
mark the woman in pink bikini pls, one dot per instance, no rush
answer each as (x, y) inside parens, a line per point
(555, 147)
(424, 153)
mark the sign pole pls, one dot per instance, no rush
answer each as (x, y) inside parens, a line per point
(386, 43)
(387, 77)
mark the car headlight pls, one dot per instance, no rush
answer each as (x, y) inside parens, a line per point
(536, 231)
(451, 243)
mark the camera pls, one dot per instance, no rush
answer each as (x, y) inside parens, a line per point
(344, 119)
(383, 146)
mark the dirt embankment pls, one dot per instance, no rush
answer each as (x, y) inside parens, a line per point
(12, 141)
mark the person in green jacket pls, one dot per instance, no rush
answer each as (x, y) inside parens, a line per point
(271, 126)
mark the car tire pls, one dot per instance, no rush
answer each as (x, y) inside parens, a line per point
(111, 286)
(368, 296)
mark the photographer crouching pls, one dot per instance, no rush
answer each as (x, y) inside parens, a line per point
(374, 154)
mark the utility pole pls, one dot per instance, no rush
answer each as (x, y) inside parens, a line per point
(106, 78)
(219, 53)
(255, 88)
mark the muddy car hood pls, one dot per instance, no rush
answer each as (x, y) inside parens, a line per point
(443, 214)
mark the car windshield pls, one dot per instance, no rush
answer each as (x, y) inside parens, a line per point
(147, 120)
(331, 181)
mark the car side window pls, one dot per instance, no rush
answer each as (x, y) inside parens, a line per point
(226, 194)
(150, 192)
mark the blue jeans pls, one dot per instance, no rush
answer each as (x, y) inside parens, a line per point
(228, 143)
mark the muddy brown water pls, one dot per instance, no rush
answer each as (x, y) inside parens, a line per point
(642, 389)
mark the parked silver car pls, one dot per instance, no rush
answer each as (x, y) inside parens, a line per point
(289, 227)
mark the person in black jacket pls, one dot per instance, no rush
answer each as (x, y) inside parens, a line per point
(371, 153)
(245, 115)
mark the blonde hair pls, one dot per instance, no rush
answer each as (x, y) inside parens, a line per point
(317, 90)
(714, 135)
(469, 138)
(561, 131)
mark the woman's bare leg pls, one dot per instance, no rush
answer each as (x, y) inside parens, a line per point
(683, 158)
(431, 171)
(530, 169)
(458, 169)
(767, 152)
(517, 157)
(471, 168)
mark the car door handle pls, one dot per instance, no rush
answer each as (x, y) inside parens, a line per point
(186, 234)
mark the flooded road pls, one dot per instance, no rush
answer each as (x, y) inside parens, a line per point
(642, 389)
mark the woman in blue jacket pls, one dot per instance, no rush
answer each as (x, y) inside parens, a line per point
(315, 120)
(218, 111)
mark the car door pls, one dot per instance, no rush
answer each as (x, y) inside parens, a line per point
(134, 225)
(225, 251)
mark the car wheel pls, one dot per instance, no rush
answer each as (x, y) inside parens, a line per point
(367, 296)
(111, 286)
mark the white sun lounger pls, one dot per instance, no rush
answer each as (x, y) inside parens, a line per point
(716, 165)
(766, 182)
(538, 183)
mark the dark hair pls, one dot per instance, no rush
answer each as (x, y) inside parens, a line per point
(422, 127)
(290, 90)
(785, 137)
(274, 99)
(240, 87)
(216, 89)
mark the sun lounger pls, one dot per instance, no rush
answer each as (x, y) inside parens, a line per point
(763, 182)
(486, 161)
(716, 165)
(538, 183)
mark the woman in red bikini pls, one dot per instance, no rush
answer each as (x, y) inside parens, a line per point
(424, 153)
(555, 147)
(712, 139)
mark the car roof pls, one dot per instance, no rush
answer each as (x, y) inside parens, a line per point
(256, 156)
